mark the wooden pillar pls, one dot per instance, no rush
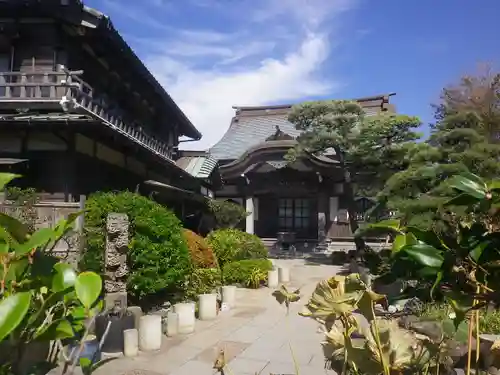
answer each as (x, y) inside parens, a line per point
(322, 211)
(70, 166)
(249, 206)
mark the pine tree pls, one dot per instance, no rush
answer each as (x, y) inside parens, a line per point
(463, 139)
(368, 149)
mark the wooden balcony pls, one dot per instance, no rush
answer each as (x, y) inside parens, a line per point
(64, 90)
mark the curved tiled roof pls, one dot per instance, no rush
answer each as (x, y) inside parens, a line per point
(253, 125)
(246, 132)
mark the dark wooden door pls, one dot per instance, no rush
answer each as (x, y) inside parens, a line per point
(298, 215)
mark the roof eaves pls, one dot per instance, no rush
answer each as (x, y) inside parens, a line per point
(105, 22)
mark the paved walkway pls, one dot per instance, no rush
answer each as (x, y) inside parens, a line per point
(255, 335)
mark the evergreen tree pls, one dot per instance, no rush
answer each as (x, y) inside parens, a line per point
(463, 139)
(368, 149)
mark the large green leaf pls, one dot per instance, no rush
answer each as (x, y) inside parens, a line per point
(391, 224)
(495, 185)
(65, 277)
(403, 240)
(5, 178)
(17, 268)
(88, 288)
(4, 247)
(470, 184)
(425, 254)
(13, 309)
(39, 239)
(477, 251)
(462, 200)
(57, 330)
(428, 237)
(14, 227)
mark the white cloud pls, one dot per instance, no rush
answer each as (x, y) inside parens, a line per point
(275, 52)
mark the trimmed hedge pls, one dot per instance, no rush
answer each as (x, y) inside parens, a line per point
(243, 271)
(233, 244)
(158, 257)
(202, 255)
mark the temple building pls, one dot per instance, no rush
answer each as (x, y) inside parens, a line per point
(81, 113)
(300, 202)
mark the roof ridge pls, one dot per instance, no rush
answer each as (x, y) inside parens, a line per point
(286, 106)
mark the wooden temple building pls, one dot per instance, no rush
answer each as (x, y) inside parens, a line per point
(300, 202)
(80, 113)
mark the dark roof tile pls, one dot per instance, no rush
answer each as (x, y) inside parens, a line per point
(253, 125)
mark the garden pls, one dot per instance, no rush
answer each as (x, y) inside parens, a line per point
(49, 303)
(427, 304)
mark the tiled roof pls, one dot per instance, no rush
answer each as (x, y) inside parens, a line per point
(253, 125)
(197, 166)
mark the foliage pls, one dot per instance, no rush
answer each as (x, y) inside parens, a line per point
(158, 256)
(463, 139)
(369, 149)
(381, 346)
(41, 299)
(23, 202)
(284, 296)
(233, 244)
(202, 255)
(464, 264)
(227, 214)
(202, 281)
(489, 321)
(248, 272)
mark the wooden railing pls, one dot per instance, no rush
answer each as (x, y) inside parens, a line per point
(75, 95)
(31, 86)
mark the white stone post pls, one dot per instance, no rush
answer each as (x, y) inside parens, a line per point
(172, 324)
(272, 279)
(250, 218)
(186, 319)
(229, 295)
(284, 275)
(207, 308)
(130, 342)
(150, 332)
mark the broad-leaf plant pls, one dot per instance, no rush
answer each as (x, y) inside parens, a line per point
(463, 264)
(42, 299)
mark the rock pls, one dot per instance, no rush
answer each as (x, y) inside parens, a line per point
(407, 320)
(413, 305)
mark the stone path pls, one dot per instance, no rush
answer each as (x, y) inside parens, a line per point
(256, 337)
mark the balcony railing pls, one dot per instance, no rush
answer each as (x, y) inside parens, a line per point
(75, 96)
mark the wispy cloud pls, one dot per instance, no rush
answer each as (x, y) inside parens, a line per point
(266, 51)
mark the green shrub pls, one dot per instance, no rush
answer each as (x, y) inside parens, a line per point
(245, 271)
(158, 256)
(202, 255)
(202, 281)
(233, 244)
(489, 322)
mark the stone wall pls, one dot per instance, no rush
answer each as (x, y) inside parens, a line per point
(47, 214)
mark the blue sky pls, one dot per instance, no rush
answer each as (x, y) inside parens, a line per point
(213, 54)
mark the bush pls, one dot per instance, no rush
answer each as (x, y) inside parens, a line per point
(203, 281)
(248, 272)
(227, 214)
(233, 244)
(202, 255)
(489, 321)
(158, 256)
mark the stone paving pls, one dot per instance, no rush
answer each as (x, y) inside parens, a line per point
(256, 336)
